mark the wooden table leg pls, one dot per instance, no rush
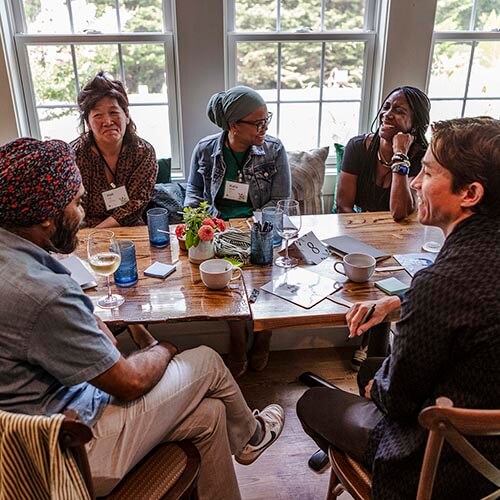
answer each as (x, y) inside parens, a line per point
(237, 358)
(259, 354)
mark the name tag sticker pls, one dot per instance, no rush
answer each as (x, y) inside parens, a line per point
(115, 198)
(236, 191)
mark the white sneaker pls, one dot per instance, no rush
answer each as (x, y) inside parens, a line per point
(273, 420)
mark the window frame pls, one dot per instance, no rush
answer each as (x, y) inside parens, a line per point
(368, 36)
(462, 36)
(22, 78)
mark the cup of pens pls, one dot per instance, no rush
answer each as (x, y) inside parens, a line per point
(261, 244)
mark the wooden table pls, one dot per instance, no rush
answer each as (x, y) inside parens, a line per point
(376, 228)
(180, 297)
(183, 297)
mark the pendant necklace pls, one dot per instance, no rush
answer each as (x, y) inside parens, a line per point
(382, 160)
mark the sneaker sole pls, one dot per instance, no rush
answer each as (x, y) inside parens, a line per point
(249, 461)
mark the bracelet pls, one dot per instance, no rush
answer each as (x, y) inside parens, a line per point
(150, 346)
(400, 156)
(401, 168)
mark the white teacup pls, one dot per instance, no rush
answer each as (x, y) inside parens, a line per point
(217, 273)
(358, 267)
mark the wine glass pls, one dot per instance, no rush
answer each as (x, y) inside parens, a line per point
(104, 259)
(286, 228)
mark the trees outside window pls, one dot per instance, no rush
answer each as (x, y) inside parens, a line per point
(311, 60)
(466, 57)
(62, 44)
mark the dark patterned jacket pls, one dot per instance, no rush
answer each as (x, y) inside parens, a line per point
(448, 344)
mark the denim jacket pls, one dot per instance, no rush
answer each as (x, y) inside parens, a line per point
(266, 171)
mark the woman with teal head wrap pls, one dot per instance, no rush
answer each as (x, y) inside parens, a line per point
(241, 169)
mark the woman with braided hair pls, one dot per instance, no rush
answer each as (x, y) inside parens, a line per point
(377, 168)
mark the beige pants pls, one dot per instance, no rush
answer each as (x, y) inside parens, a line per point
(197, 399)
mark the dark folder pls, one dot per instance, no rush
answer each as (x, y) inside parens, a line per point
(342, 245)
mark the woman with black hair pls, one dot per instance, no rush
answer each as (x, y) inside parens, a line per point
(377, 168)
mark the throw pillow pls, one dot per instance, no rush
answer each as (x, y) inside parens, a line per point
(308, 174)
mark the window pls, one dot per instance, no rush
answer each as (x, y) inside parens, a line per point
(466, 57)
(62, 44)
(311, 60)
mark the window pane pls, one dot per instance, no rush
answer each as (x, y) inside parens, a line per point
(444, 110)
(339, 122)
(449, 64)
(144, 66)
(300, 15)
(58, 123)
(153, 126)
(484, 79)
(273, 126)
(52, 74)
(299, 125)
(342, 15)
(141, 16)
(483, 108)
(453, 15)
(300, 70)
(255, 15)
(97, 15)
(257, 67)
(488, 15)
(46, 17)
(90, 59)
(343, 75)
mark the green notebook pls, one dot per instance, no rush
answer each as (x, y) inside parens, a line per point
(392, 286)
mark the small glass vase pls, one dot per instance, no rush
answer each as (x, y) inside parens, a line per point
(201, 252)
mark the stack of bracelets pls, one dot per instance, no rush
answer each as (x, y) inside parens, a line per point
(400, 164)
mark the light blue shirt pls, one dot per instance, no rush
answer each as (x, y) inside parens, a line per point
(50, 344)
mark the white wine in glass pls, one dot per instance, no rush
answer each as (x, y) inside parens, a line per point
(285, 209)
(104, 259)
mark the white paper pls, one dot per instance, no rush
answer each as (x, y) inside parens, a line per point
(301, 287)
(79, 272)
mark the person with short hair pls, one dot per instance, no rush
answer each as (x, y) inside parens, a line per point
(448, 338)
(56, 355)
(241, 169)
(118, 168)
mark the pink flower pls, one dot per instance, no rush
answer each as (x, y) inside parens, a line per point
(208, 222)
(180, 230)
(206, 232)
(221, 225)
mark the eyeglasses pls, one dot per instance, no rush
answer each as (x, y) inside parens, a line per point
(260, 124)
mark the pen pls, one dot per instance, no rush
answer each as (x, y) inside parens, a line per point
(365, 319)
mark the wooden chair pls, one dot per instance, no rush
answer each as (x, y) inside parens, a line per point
(443, 422)
(169, 471)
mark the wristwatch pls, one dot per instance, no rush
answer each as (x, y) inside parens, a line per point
(400, 168)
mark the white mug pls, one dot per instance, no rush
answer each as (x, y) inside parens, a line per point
(217, 273)
(358, 267)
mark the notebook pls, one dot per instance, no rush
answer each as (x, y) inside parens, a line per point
(413, 262)
(342, 245)
(79, 272)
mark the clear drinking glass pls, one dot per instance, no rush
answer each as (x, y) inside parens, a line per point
(285, 209)
(104, 259)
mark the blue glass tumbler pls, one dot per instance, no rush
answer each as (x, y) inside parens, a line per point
(126, 274)
(268, 216)
(159, 236)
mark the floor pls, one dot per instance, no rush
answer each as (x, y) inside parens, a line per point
(282, 472)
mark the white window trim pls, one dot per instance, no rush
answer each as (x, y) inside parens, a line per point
(14, 28)
(369, 36)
